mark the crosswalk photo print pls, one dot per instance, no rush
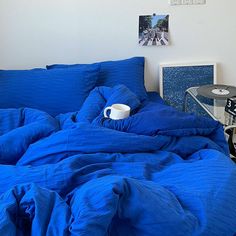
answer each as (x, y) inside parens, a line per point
(154, 30)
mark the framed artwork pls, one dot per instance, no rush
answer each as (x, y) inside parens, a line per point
(154, 30)
(176, 78)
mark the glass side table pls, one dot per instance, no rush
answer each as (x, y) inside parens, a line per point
(215, 108)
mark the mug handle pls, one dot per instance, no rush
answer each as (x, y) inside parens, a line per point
(105, 112)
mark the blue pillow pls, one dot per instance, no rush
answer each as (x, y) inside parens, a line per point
(129, 72)
(54, 91)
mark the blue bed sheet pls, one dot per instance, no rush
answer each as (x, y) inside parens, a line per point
(158, 172)
(154, 97)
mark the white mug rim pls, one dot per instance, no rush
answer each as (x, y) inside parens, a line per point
(123, 107)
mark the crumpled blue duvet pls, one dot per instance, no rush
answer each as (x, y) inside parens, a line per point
(158, 172)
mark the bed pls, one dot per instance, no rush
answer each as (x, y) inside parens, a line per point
(67, 170)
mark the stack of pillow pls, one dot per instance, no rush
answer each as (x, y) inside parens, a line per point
(64, 88)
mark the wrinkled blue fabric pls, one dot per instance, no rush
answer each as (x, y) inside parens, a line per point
(158, 172)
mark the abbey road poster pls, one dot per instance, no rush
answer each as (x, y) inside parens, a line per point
(154, 30)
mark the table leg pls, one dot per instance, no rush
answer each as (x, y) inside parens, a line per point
(185, 102)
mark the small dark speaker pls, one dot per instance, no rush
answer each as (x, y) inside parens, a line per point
(230, 106)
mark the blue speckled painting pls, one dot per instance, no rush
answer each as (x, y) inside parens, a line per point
(177, 79)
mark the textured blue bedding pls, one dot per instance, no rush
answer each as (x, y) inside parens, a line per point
(158, 172)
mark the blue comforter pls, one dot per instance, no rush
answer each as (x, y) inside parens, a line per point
(158, 172)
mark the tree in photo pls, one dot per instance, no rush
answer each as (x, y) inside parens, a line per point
(162, 24)
(145, 22)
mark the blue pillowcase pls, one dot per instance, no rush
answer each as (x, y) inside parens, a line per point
(129, 72)
(54, 91)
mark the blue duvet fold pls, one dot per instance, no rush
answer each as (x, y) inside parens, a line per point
(158, 172)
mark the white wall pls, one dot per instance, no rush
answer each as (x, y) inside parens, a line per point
(39, 32)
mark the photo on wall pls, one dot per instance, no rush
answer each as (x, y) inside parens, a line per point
(154, 30)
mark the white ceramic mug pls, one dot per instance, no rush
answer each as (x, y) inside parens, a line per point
(118, 111)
